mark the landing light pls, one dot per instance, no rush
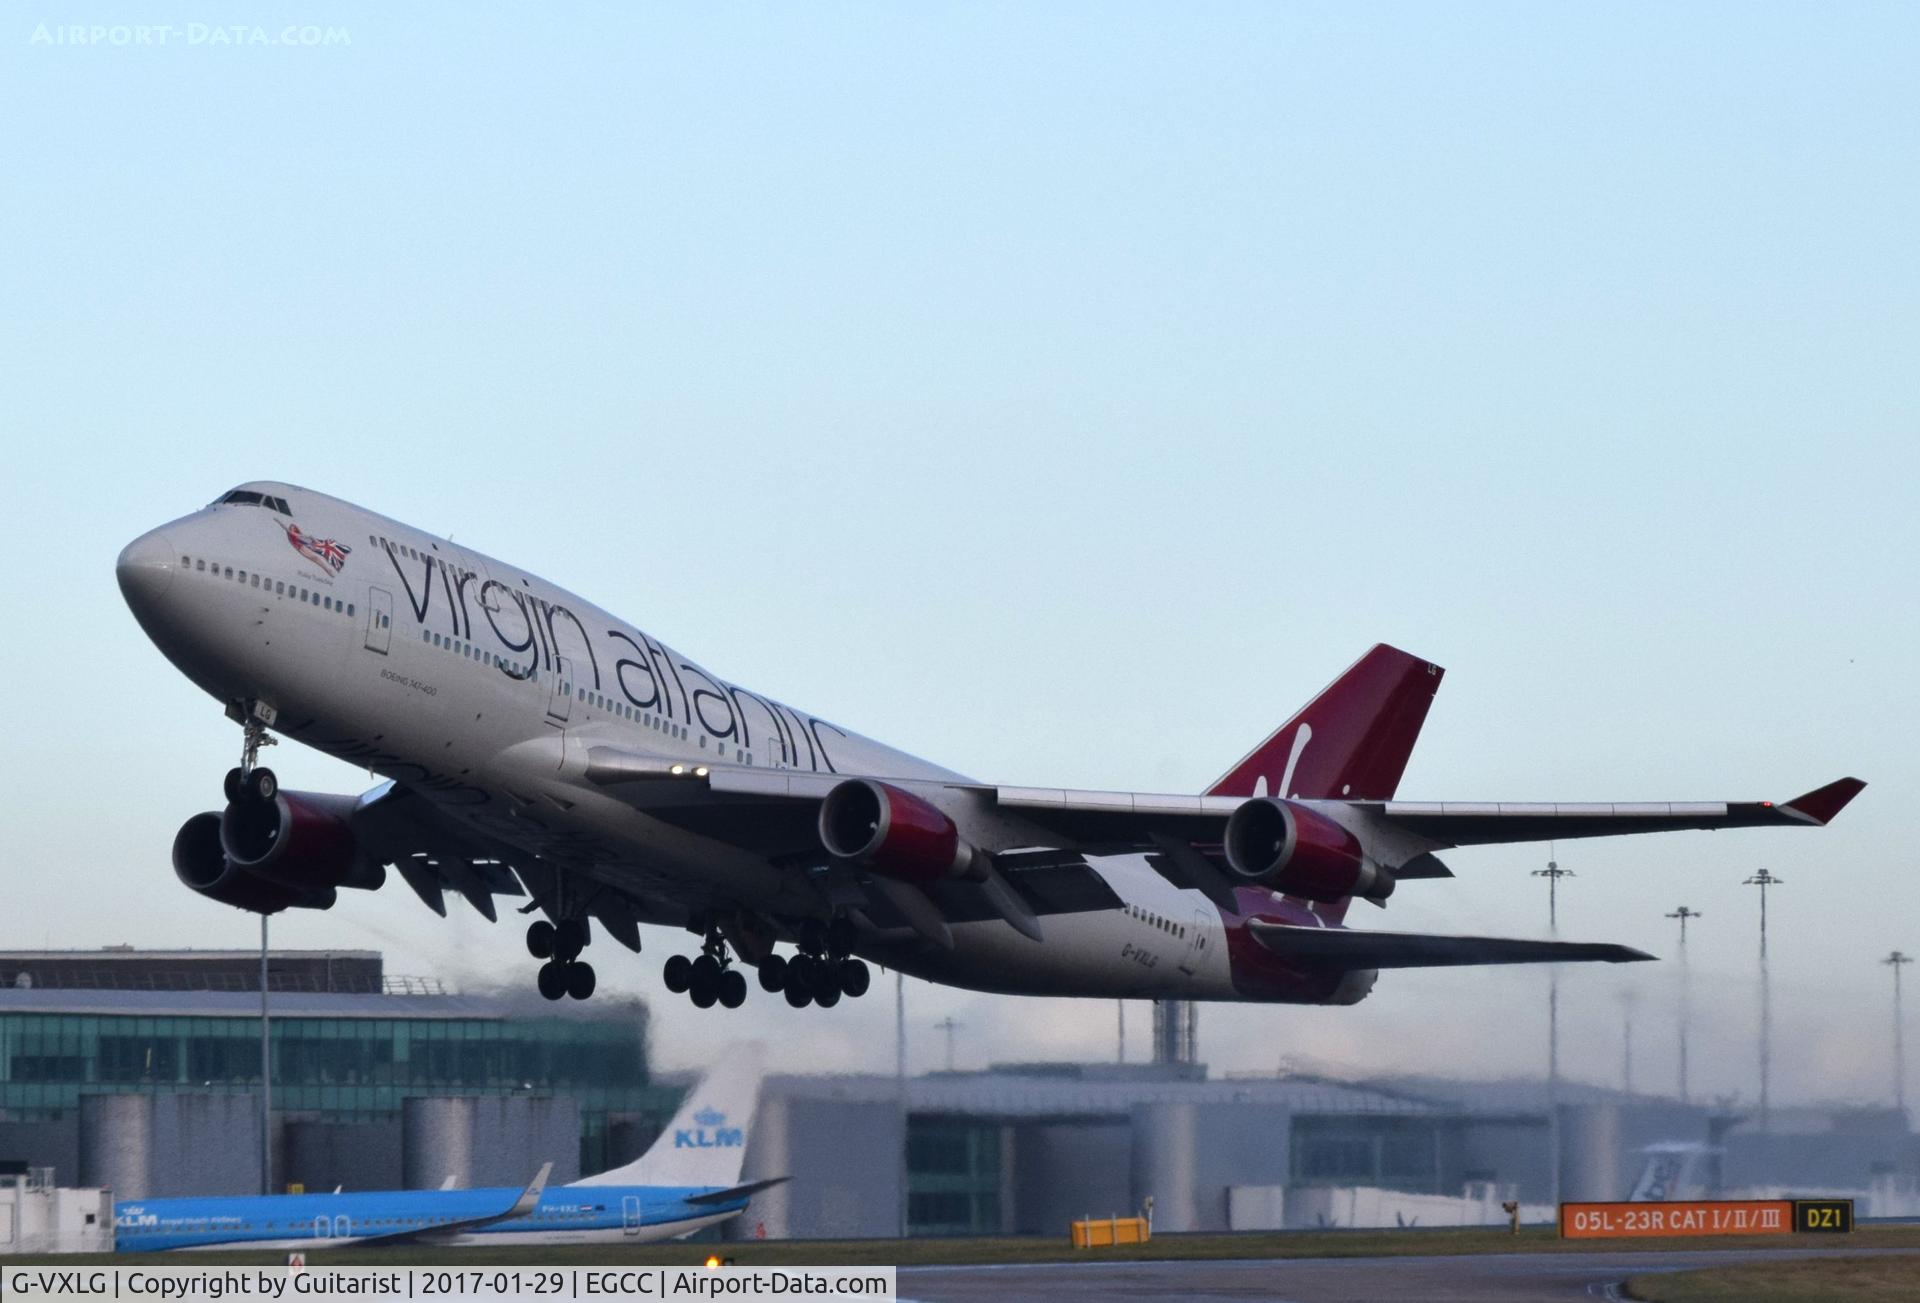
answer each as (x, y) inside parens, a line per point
(701, 772)
(713, 1262)
(677, 770)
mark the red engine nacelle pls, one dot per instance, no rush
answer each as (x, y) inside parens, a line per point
(1292, 848)
(199, 861)
(300, 840)
(892, 832)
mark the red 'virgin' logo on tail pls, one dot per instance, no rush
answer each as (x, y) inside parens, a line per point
(323, 550)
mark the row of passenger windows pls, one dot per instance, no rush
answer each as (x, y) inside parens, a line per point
(1166, 925)
(278, 587)
(599, 700)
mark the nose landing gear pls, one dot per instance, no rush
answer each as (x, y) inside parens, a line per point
(249, 781)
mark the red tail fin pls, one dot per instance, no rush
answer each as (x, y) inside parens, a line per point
(1352, 741)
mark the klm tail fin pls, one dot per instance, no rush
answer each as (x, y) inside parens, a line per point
(706, 1142)
(1351, 742)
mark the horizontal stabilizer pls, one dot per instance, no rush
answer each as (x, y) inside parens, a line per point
(1346, 948)
(746, 1191)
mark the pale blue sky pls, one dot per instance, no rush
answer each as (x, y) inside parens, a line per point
(1062, 393)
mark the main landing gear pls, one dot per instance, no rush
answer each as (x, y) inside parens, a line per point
(823, 971)
(560, 944)
(709, 978)
(249, 781)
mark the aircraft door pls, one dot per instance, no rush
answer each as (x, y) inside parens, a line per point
(560, 700)
(1196, 942)
(379, 620)
(630, 1215)
(342, 1228)
(322, 1228)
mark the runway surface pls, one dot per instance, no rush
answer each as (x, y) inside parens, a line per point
(1467, 1278)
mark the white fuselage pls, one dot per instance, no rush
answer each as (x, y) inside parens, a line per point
(482, 687)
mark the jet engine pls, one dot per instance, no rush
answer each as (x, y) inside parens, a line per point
(301, 840)
(1294, 849)
(199, 861)
(893, 832)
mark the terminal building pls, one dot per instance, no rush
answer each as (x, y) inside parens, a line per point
(140, 1072)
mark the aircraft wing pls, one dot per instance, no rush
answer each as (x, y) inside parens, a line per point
(528, 1200)
(1345, 948)
(782, 804)
(1121, 818)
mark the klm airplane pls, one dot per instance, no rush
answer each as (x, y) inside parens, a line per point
(689, 1179)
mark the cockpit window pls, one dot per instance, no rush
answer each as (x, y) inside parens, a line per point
(248, 498)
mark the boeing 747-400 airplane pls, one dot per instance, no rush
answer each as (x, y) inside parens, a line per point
(688, 1179)
(537, 746)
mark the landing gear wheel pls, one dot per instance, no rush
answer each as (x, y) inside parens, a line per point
(797, 995)
(706, 972)
(575, 934)
(703, 992)
(540, 939)
(232, 784)
(553, 979)
(773, 972)
(733, 988)
(840, 938)
(580, 980)
(678, 974)
(827, 998)
(854, 978)
(260, 785)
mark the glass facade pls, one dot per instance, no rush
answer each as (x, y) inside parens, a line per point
(953, 1176)
(1393, 1153)
(345, 1069)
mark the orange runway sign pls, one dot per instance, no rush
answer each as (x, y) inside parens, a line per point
(1596, 1221)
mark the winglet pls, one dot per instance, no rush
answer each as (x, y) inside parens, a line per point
(530, 1197)
(1823, 803)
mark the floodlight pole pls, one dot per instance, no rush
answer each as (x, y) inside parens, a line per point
(1763, 880)
(1120, 1056)
(949, 1026)
(1626, 1042)
(266, 1072)
(1553, 873)
(1686, 993)
(1896, 961)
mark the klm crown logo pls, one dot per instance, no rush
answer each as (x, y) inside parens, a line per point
(710, 1133)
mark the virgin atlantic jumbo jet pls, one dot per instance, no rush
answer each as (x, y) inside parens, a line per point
(536, 746)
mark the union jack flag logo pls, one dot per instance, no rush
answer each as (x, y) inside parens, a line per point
(323, 550)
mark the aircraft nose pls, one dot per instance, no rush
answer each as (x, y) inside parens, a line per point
(144, 569)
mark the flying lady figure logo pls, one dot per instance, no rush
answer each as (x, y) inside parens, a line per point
(322, 550)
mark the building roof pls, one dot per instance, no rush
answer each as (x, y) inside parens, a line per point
(129, 955)
(1036, 1096)
(282, 1004)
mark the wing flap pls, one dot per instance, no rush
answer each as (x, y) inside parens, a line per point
(1346, 948)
